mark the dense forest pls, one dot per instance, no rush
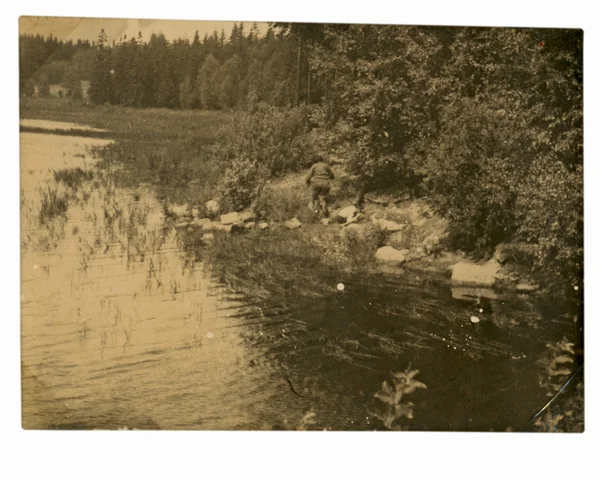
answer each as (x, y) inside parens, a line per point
(486, 123)
(218, 71)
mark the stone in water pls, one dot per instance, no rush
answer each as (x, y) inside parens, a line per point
(340, 286)
(474, 319)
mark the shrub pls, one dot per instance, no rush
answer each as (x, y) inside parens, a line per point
(550, 209)
(260, 143)
(473, 174)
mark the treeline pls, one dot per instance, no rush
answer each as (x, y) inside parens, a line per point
(217, 71)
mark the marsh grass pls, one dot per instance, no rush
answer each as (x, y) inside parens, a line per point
(73, 177)
(169, 149)
(277, 262)
(53, 203)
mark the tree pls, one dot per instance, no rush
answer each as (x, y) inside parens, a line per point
(101, 80)
(228, 79)
(72, 84)
(379, 83)
(43, 87)
(206, 83)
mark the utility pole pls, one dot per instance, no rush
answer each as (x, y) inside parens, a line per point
(298, 71)
(308, 87)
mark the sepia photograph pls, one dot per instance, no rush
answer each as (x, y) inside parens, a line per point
(258, 226)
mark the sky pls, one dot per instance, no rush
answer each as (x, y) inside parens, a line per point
(73, 28)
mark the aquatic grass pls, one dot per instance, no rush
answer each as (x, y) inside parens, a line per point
(73, 177)
(53, 203)
(280, 262)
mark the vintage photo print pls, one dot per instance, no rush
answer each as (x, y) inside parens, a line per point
(300, 226)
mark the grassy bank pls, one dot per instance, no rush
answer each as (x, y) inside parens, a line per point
(168, 149)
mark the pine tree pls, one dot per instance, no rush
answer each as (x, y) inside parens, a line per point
(101, 81)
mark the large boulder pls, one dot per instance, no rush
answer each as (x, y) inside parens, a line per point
(391, 255)
(293, 224)
(230, 218)
(475, 275)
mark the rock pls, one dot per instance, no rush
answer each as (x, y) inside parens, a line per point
(524, 287)
(346, 214)
(216, 227)
(471, 274)
(200, 222)
(246, 216)
(213, 208)
(179, 210)
(195, 212)
(388, 225)
(249, 225)
(475, 319)
(390, 254)
(230, 218)
(293, 223)
(263, 225)
(208, 237)
(326, 221)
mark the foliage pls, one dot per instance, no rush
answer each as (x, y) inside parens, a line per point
(557, 366)
(403, 383)
(370, 75)
(259, 144)
(43, 87)
(72, 84)
(510, 144)
(565, 411)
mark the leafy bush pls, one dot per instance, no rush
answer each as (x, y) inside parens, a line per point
(473, 174)
(551, 218)
(260, 143)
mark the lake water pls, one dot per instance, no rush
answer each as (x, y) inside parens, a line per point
(121, 327)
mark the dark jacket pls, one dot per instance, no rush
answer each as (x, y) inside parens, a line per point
(321, 172)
